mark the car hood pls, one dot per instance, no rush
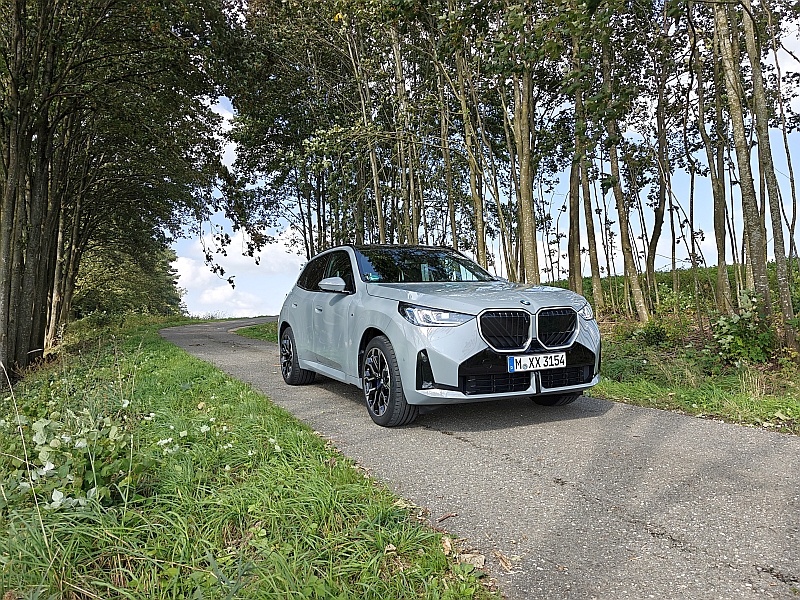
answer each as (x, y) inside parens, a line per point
(473, 297)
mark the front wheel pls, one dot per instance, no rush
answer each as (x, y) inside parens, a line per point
(290, 367)
(383, 390)
(555, 399)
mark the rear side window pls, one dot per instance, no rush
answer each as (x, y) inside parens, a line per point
(313, 273)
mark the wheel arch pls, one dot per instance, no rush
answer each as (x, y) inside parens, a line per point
(369, 334)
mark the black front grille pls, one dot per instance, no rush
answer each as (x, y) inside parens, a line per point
(558, 378)
(506, 329)
(500, 383)
(556, 326)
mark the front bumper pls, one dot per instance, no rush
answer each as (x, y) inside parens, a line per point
(443, 365)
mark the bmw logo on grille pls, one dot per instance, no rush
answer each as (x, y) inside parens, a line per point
(525, 302)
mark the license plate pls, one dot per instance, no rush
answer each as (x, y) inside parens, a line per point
(537, 362)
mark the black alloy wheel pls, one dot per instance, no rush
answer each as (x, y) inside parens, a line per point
(290, 367)
(383, 390)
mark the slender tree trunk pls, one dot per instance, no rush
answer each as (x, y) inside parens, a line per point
(664, 180)
(588, 211)
(767, 168)
(723, 295)
(622, 210)
(366, 105)
(751, 216)
(522, 108)
(444, 117)
(470, 144)
(574, 236)
(784, 129)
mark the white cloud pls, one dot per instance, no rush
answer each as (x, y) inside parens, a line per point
(259, 288)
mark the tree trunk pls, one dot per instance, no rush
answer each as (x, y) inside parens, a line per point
(522, 108)
(767, 168)
(366, 105)
(629, 260)
(469, 144)
(750, 213)
(723, 295)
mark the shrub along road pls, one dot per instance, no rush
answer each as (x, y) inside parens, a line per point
(592, 500)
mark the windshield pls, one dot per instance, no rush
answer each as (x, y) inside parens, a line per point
(416, 265)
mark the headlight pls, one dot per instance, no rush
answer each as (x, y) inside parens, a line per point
(432, 317)
(586, 312)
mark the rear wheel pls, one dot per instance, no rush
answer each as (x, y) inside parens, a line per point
(383, 390)
(555, 399)
(290, 367)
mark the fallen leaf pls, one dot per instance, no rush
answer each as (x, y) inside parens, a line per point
(447, 545)
(504, 561)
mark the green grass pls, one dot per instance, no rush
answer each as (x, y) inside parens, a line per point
(690, 377)
(267, 331)
(155, 475)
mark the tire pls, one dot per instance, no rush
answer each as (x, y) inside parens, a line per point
(555, 399)
(383, 390)
(290, 367)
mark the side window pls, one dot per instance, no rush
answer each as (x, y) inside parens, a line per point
(313, 273)
(340, 266)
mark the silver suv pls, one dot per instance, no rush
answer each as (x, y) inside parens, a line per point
(418, 325)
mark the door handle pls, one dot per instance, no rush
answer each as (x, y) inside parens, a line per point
(318, 309)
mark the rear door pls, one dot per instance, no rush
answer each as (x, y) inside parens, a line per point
(301, 305)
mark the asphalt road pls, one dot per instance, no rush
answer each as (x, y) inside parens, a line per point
(592, 500)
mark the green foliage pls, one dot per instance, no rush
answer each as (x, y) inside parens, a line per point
(213, 491)
(744, 336)
(697, 380)
(111, 282)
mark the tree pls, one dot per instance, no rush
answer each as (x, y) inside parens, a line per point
(97, 127)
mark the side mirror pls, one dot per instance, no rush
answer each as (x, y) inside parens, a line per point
(333, 284)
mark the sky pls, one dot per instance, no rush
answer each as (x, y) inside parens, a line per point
(259, 289)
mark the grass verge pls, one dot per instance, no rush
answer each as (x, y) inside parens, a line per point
(266, 331)
(132, 470)
(688, 376)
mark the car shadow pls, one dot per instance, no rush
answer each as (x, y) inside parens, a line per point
(505, 413)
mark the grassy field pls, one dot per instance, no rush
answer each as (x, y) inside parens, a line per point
(129, 469)
(659, 366)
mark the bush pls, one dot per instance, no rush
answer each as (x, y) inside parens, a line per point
(744, 337)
